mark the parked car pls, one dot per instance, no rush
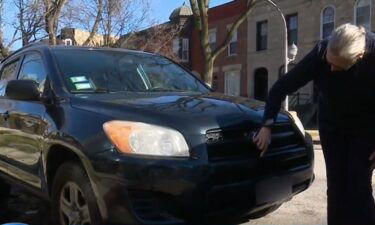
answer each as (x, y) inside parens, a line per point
(112, 136)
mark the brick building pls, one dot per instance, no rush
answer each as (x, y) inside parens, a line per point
(171, 39)
(230, 67)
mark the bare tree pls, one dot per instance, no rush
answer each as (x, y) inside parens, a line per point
(157, 39)
(89, 16)
(52, 11)
(200, 14)
(4, 47)
(111, 18)
(121, 17)
(30, 19)
(3, 50)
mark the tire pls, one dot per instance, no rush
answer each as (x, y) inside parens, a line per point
(5, 189)
(73, 200)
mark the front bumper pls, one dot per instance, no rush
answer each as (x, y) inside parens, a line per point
(138, 190)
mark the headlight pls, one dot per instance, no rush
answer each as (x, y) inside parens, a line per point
(145, 139)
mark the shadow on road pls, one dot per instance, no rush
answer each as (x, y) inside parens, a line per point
(22, 207)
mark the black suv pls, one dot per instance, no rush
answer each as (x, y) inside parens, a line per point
(112, 136)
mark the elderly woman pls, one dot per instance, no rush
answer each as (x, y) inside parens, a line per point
(343, 69)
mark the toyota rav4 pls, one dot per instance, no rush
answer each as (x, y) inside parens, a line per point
(112, 136)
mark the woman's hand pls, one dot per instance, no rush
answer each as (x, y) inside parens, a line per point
(263, 139)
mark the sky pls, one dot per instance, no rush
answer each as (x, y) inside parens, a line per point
(161, 10)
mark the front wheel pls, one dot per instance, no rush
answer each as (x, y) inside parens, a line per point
(73, 200)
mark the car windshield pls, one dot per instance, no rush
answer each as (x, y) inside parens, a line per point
(105, 71)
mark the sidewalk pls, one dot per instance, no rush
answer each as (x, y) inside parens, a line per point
(315, 136)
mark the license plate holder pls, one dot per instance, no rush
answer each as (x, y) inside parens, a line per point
(273, 190)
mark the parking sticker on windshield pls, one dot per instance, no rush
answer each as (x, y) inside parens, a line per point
(81, 86)
(78, 79)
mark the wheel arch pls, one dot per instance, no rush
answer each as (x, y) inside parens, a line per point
(57, 155)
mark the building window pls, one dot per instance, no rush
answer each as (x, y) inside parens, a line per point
(292, 24)
(363, 13)
(262, 35)
(181, 49)
(185, 50)
(212, 39)
(328, 22)
(176, 46)
(232, 49)
(232, 83)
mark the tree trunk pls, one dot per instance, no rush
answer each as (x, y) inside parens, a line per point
(4, 51)
(208, 71)
(25, 39)
(109, 30)
(96, 24)
(52, 14)
(51, 31)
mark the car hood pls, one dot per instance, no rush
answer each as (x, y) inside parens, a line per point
(187, 112)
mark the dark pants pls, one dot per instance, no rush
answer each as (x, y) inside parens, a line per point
(349, 190)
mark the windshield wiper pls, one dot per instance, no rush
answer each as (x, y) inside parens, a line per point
(164, 89)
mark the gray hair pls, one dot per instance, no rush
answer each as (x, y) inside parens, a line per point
(348, 41)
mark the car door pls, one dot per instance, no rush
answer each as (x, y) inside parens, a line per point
(8, 72)
(26, 126)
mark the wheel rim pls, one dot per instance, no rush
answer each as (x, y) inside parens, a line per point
(73, 208)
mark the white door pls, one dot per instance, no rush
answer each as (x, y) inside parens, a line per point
(232, 83)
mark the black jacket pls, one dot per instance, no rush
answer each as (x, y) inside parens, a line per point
(346, 99)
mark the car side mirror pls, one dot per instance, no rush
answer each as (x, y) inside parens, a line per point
(23, 90)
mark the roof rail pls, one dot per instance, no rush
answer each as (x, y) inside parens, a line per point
(23, 48)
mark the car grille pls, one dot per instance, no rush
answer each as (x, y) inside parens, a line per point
(236, 164)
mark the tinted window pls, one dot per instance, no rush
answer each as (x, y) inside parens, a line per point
(32, 69)
(8, 73)
(112, 71)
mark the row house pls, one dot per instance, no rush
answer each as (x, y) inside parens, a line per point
(254, 59)
(171, 39)
(307, 22)
(230, 68)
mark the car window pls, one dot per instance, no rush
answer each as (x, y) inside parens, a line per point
(33, 69)
(8, 73)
